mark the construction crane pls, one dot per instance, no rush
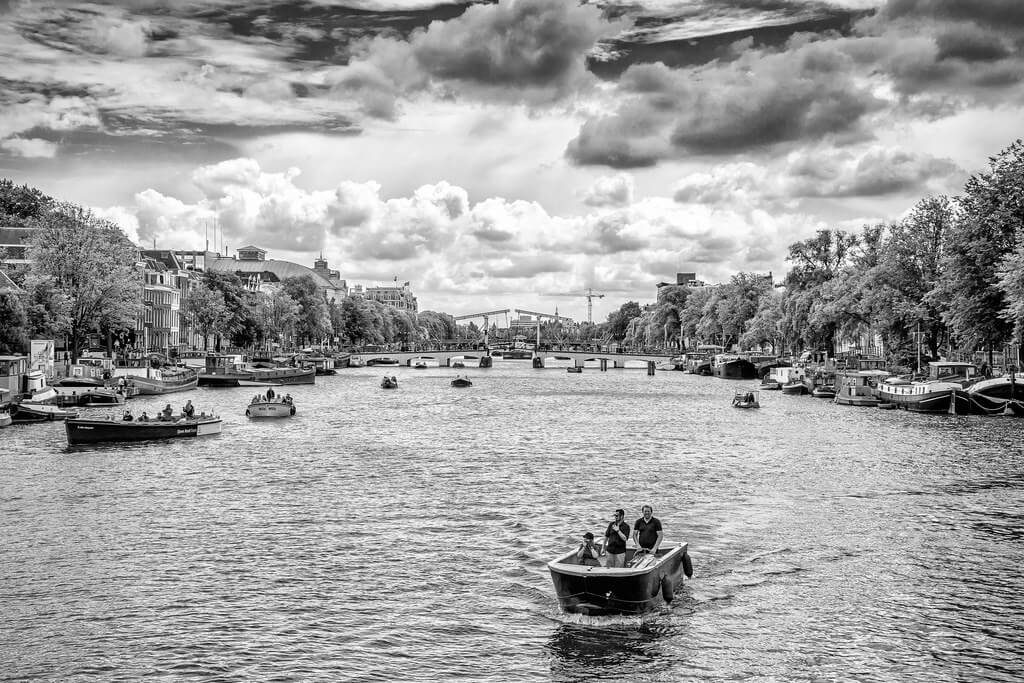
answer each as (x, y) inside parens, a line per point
(557, 318)
(590, 300)
(483, 315)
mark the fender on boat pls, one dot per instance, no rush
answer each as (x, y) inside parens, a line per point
(687, 565)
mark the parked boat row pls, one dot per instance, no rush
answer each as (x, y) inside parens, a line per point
(950, 387)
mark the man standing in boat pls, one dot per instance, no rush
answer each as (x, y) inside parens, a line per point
(615, 538)
(647, 532)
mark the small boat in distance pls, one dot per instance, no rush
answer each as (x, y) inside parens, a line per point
(420, 365)
(645, 582)
(457, 364)
(574, 368)
(746, 399)
(383, 361)
(389, 383)
(87, 431)
(461, 381)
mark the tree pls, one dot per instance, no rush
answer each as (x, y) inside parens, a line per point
(618, 321)
(243, 327)
(280, 314)
(989, 229)
(20, 204)
(83, 268)
(208, 311)
(314, 318)
(815, 261)
(357, 321)
(13, 322)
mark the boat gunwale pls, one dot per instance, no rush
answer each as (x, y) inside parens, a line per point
(625, 572)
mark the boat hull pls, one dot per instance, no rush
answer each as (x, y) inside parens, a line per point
(735, 369)
(997, 396)
(84, 431)
(940, 400)
(40, 412)
(599, 591)
(270, 409)
(145, 386)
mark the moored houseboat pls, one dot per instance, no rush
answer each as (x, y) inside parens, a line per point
(732, 366)
(942, 392)
(997, 395)
(226, 371)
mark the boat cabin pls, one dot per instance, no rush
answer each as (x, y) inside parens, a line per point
(948, 371)
(221, 364)
(787, 374)
(13, 370)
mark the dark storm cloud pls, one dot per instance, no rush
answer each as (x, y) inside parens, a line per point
(806, 93)
(971, 43)
(999, 13)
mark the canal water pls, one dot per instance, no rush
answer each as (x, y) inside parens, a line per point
(403, 535)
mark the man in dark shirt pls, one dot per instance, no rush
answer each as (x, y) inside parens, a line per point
(615, 537)
(647, 532)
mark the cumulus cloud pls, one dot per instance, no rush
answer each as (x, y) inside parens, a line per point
(871, 171)
(447, 244)
(616, 191)
(121, 37)
(520, 50)
(29, 147)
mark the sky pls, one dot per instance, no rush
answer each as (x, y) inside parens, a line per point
(509, 154)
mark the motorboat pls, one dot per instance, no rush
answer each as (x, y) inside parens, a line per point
(31, 411)
(389, 383)
(746, 399)
(420, 365)
(795, 387)
(87, 431)
(824, 391)
(356, 362)
(646, 581)
(942, 392)
(461, 381)
(457, 364)
(383, 361)
(858, 387)
(274, 407)
(574, 368)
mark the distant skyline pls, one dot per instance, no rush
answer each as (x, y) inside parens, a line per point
(495, 153)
